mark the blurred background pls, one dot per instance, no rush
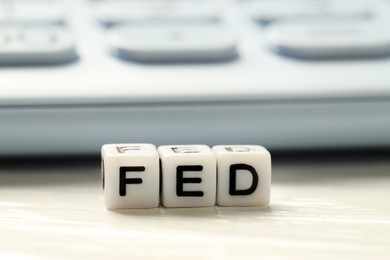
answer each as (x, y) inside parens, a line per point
(287, 74)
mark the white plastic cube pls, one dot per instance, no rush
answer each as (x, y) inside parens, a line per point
(130, 175)
(244, 175)
(188, 176)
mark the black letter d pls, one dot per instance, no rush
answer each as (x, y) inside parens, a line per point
(233, 177)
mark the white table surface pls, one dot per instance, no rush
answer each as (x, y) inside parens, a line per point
(321, 209)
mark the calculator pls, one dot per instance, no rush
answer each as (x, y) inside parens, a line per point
(286, 74)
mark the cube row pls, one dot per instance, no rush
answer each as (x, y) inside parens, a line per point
(142, 176)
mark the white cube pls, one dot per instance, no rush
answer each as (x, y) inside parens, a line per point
(130, 175)
(188, 176)
(244, 175)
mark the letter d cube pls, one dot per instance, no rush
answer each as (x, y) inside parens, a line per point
(130, 175)
(244, 175)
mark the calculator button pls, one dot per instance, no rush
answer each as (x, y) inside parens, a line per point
(114, 12)
(38, 36)
(271, 10)
(4, 39)
(329, 39)
(37, 45)
(173, 43)
(31, 11)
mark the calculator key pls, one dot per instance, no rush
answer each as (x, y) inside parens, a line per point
(31, 11)
(314, 39)
(173, 43)
(37, 45)
(114, 12)
(38, 36)
(3, 38)
(271, 10)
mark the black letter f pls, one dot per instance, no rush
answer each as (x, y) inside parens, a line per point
(123, 180)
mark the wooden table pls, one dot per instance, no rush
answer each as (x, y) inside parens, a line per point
(322, 207)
